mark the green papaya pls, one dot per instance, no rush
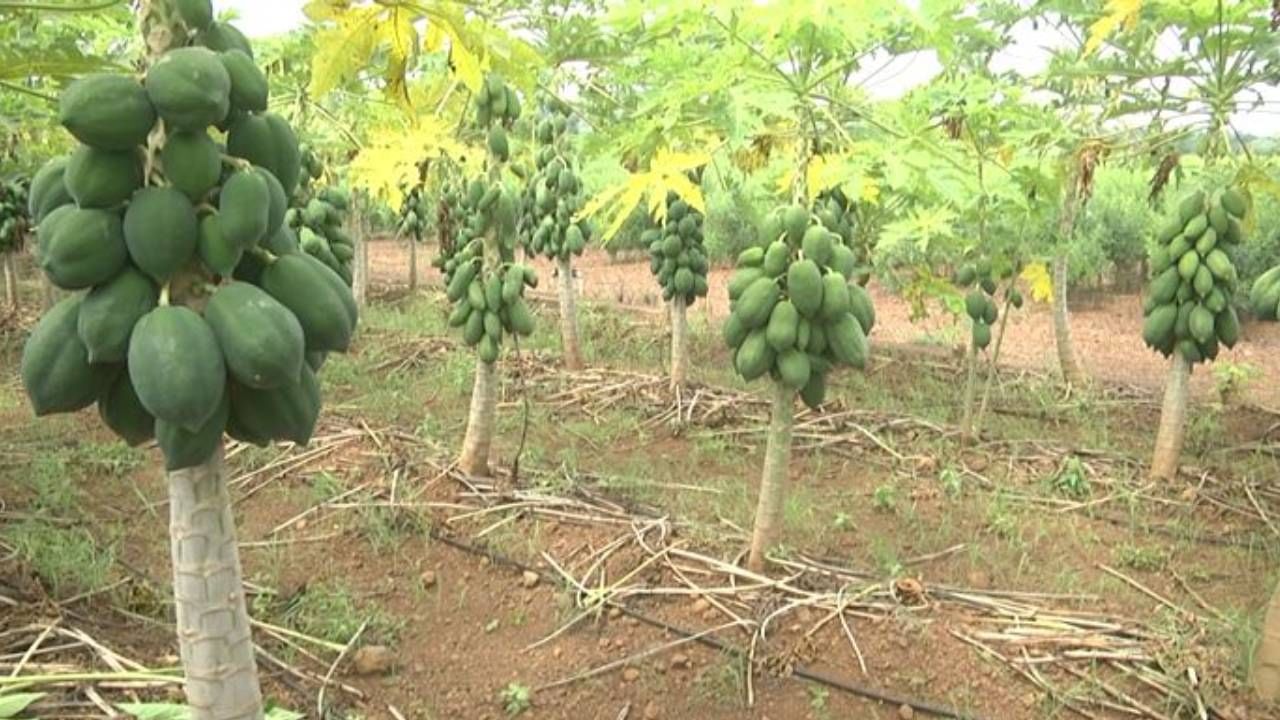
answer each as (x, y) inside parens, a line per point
(733, 332)
(1188, 264)
(1182, 326)
(1219, 220)
(862, 308)
(521, 318)
(196, 14)
(498, 146)
(793, 368)
(1169, 231)
(244, 208)
(161, 231)
(107, 111)
(1219, 264)
(221, 37)
(843, 261)
(55, 369)
(488, 349)
(1233, 202)
(783, 327)
(192, 163)
(176, 366)
(1226, 327)
(1196, 227)
(47, 230)
(1207, 242)
(1201, 324)
(190, 88)
(493, 326)
(835, 296)
(109, 312)
(847, 341)
(754, 356)
(818, 245)
(315, 360)
(122, 411)
(741, 280)
(262, 341)
(966, 275)
(282, 242)
(776, 259)
(1190, 351)
(248, 84)
(814, 393)
(319, 299)
(102, 178)
(981, 334)
(1264, 296)
(975, 304)
(756, 303)
(990, 313)
(1192, 205)
(1234, 234)
(473, 329)
(805, 287)
(184, 448)
(48, 190)
(218, 252)
(87, 248)
(1216, 301)
(795, 222)
(1203, 281)
(1159, 325)
(1159, 259)
(265, 139)
(288, 412)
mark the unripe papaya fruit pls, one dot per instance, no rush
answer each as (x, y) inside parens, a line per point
(795, 222)
(261, 340)
(783, 327)
(248, 84)
(221, 37)
(244, 208)
(1227, 327)
(1159, 325)
(48, 190)
(805, 287)
(87, 248)
(184, 448)
(109, 312)
(266, 140)
(107, 111)
(847, 341)
(793, 368)
(190, 88)
(317, 296)
(192, 163)
(818, 245)
(835, 296)
(177, 366)
(756, 303)
(1233, 202)
(814, 393)
(754, 356)
(161, 230)
(196, 14)
(102, 178)
(122, 411)
(55, 368)
(862, 308)
(288, 412)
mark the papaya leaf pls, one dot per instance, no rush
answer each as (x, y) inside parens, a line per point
(13, 705)
(1119, 14)
(1039, 281)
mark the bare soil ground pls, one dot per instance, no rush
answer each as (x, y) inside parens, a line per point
(1011, 579)
(1106, 327)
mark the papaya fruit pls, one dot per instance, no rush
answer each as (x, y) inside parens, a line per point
(1159, 259)
(684, 281)
(318, 298)
(244, 208)
(1207, 242)
(990, 313)
(1234, 234)
(783, 327)
(756, 303)
(1159, 325)
(1196, 227)
(862, 308)
(754, 356)
(835, 296)
(190, 88)
(818, 245)
(192, 163)
(1233, 202)
(487, 349)
(795, 222)
(1182, 326)
(261, 340)
(1264, 296)
(221, 37)
(473, 330)
(1216, 301)
(122, 411)
(1219, 264)
(814, 393)
(847, 341)
(1169, 231)
(196, 14)
(498, 145)
(1203, 281)
(283, 242)
(1190, 350)
(218, 252)
(48, 190)
(981, 332)
(265, 139)
(87, 248)
(109, 312)
(248, 84)
(733, 332)
(1188, 264)
(793, 368)
(107, 111)
(1218, 218)
(161, 230)
(770, 229)
(966, 275)
(1226, 326)
(1201, 324)
(805, 287)
(288, 412)
(48, 229)
(1191, 205)
(843, 261)
(102, 178)
(975, 304)
(177, 366)
(184, 448)
(776, 259)
(315, 360)
(741, 280)
(56, 372)
(521, 318)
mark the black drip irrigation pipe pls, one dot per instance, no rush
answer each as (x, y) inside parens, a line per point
(797, 670)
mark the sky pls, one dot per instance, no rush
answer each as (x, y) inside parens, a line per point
(883, 78)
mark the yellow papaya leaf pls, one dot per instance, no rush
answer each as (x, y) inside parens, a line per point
(666, 174)
(343, 49)
(321, 10)
(466, 65)
(1117, 15)
(1039, 282)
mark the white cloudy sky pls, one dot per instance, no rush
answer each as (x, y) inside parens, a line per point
(882, 79)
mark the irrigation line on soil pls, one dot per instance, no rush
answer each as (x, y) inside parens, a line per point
(797, 670)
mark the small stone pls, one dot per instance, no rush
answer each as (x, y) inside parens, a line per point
(484, 561)
(301, 524)
(906, 712)
(556, 652)
(701, 606)
(374, 660)
(631, 674)
(680, 661)
(605, 643)
(429, 579)
(651, 711)
(529, 579)
(615, 613)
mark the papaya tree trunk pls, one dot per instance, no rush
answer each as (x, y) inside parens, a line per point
(413, 263)
(993, 368)
(970, 383)
(10, 281)
(359, 263)
(1173, 420)
(480, 422)
(679, 342)
(1071, 372)
(1265, 676)
(208, 590)
(773, 482)
(568, 315)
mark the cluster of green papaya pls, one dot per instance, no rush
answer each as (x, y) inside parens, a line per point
(795, 310)
(320, 224)
(151, 210)
(677, 256)
(553, 196)
(14, 217)
(979, 303)
(497, 108)
(1264, 296)
(484, 281)
(414, 213)
(450, 220)
(836, 213)
(312, 170)
(1188, 306)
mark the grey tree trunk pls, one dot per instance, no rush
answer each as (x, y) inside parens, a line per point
(993, 368)
(208, 590)
(413, 264)
(679, 342)
(970, 383)
(1173, 420)
(10, 280)
(773, 482)
(1266, 660)
(474, 460)
(359, 263)
(568, 315)
(1071, 372)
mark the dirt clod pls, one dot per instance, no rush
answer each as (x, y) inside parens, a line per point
(529, 579)
(429, 579)
(906, 712)
(701, 606)
(679, 661)
(651, 711)
(631, 674)
(374, 660)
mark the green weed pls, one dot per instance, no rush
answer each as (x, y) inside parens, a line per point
(66, 559)
(516, 698)
(330, 612)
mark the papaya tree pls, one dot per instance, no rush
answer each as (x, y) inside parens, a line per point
(678, 261)
(549, 225)
(413, 222)
(485, 282)
(1264, 302)
(14, 225)
(182, 324)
